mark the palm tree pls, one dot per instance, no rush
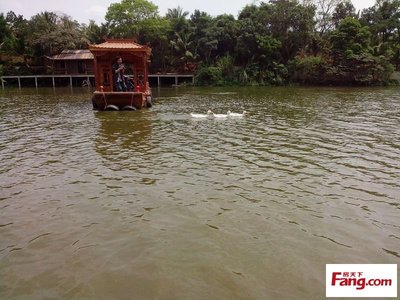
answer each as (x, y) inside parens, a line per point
(176, 13)
(95, 33)
(181, 46)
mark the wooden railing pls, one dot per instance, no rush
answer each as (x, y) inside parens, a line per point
(87, 78)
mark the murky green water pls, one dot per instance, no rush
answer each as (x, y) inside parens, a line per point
(156, 205)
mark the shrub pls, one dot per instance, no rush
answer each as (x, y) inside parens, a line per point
(309, 69)
(209, 76)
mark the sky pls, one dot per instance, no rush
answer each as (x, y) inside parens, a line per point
(85, 10)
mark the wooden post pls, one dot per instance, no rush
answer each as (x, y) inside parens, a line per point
(88, 82)
(158, 81)
(176, 80)
(192, 79)
(96, 74)
(19, 82)
(2, 82)
(54, 83)
(36, 83)
(70, 80)
(145, 79)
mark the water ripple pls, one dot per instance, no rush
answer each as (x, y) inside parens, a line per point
(308, 173)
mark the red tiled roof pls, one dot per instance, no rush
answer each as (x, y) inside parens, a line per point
(73, 55)
(119, 44)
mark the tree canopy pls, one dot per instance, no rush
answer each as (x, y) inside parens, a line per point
(274, 42)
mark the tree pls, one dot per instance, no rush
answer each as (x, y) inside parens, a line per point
(309, 69)
(343, 10)
(52, 33)
(320, 41)
(255, 46)
(5, 31)
(259, 47)
(383, 20)
(225, 29)
(155, 32)
(182, 48)
(18, 31)
(351, 38)
(325, 13)
(353, 57)
(96, 34)
(125, 18)
(325, 10)
(179, 22)
(176, 13)
(290, 23)
(204, 37)
(42, 41)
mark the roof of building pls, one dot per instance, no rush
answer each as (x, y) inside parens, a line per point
(120, 44)
(73, 55)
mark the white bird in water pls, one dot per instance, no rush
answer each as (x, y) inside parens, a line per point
(209, 113)
(231, 114)
(220, 116)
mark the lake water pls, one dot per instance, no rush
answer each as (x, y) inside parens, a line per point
(154, 204)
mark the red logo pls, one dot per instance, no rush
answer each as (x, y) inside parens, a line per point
(357, 280)
(361, 280)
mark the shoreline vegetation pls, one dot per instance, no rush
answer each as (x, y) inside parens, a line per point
(280, 42)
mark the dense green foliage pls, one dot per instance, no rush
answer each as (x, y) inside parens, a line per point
(276, 42)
